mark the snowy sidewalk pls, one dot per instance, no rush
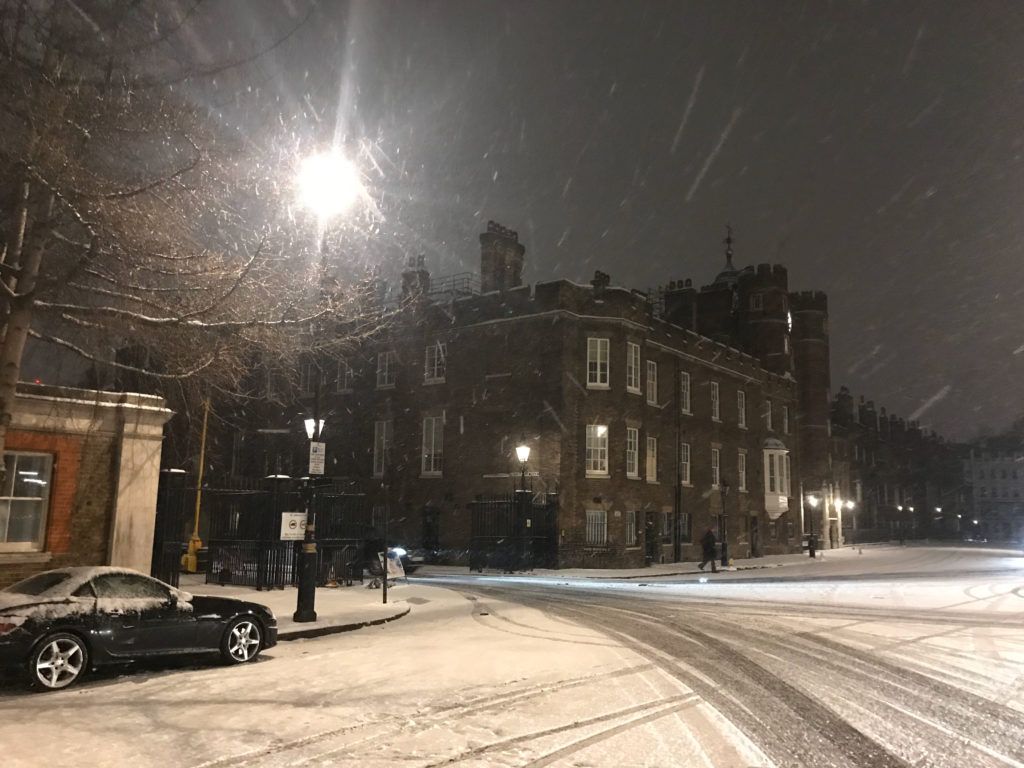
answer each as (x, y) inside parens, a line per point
(338, 609)
(659, 570)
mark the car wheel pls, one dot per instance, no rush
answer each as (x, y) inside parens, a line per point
(57, 661)
(242, 642)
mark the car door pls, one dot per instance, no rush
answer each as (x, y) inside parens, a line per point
(141, 616)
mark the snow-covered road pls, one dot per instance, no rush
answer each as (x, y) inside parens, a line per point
(818, 664)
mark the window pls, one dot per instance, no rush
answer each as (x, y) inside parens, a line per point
(684, 463)
(666, 527)
(24, 500)
(741, 470)
(382, 437)
(631, 528)
(434, 362)
(633, 368)
(128, 586)
(785, 475)
(632, 452)
(756, 302)
(776, 473)
(785, 419)
(308, 373)
(716, 410)
(684, 392)
(685, 527)
(768, 414)
(387, 365)
(652, 459)
(597, 363)
(741, 408)
(597, 527)
(652, 382)
(715, 468)
(346, 376)
(597, 449)
(858, 491)
(433, 445)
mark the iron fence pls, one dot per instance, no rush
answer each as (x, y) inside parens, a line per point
(514, 532)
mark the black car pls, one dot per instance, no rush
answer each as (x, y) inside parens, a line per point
(58, 624)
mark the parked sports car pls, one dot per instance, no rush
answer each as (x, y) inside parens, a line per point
(58, 624)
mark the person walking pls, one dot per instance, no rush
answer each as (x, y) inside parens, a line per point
(707, 543)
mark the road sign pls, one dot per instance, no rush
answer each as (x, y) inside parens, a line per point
(317, 454)
(293, 526)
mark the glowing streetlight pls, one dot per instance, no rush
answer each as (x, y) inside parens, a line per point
(523, 454)
(328, 184)
(812, 542)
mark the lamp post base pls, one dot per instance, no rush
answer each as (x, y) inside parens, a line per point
(304, 611)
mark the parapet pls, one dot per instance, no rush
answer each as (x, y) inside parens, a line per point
(809, 301)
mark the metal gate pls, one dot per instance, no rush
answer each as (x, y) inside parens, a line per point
(517, 532)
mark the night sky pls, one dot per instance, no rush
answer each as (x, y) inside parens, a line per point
(873, 148)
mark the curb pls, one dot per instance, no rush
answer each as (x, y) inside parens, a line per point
(337, 629)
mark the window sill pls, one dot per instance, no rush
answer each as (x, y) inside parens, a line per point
(686, 413)
(653, 403)
(717, 421)
(633, 391)
(27, 558)
(597, 386)
(385, 386)
(595, 476)
(687, 485)
(743, 427)
(428, 382)
(653, 482)
(343, 391)
(430, 475)
(632, 477)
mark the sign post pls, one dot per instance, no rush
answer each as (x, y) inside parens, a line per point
(317, 455)
(293, 526)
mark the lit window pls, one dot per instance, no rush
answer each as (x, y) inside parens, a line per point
(684, 463)
(597, 363)
(716, 410)
(684, 392)
(652, 459)
(387, 365)
(435, 360)
(597, 449)
(597, 527)
(24, 499)
(632, 452)
(715, 468)
(433, 445)
(652, 382)
(741, 408)
(741, 470)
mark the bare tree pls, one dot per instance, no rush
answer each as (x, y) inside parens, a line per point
(129, 219)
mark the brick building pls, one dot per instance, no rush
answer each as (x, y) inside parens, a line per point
(993, 471)
(81, 480)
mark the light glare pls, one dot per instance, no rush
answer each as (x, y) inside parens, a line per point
(329, 184)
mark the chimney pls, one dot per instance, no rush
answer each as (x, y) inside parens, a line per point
(501, 259)
(601, 281)
(415, 278)
(681, 304)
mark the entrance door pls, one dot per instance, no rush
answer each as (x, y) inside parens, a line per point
(651, 538)
(755, 537)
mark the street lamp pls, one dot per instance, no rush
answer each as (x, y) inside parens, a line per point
(306, 600)
(812, 544)
(850, 505)
(724, 486)
(523, 454)
(328, 184)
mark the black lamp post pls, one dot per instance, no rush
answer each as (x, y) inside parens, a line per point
(304, 606)
(812, 541)
(523, 454)
(724, 489)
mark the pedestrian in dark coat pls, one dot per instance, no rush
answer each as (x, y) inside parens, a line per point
(707, 543)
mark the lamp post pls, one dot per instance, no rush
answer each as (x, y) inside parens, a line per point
(523, 454)
(850, 505)
(812, 543)
(305, 603)
(522, 507)
(724, 488)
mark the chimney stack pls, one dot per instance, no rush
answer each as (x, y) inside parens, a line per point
(501, 259)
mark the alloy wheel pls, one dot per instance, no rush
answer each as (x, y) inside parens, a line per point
(59, 663)
(244, 641)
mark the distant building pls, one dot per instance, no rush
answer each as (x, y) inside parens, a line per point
(994, 470)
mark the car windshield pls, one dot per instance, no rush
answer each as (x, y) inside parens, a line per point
(38, 584)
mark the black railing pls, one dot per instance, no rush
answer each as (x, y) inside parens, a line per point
(513, 533)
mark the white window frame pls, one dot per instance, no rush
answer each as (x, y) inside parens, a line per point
(757, 302)
(777, 479)
(684, 393)
(383, 435)
(632, 368)
(716, 402)
(633, 453)
(598, 366)
(43, 502)
(345, 378)
(435, 363)
(432, 454)
(307, 377)
(716, 467)
(597, 527)
(652, 382)
(768, 414)
(785, 419)
(596, 457)
(651, 459)
(741, 408)
(741, 470)
(631, 528)
(684, 463)
(387, 366)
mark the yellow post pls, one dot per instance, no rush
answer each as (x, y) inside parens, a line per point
(190, 560)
